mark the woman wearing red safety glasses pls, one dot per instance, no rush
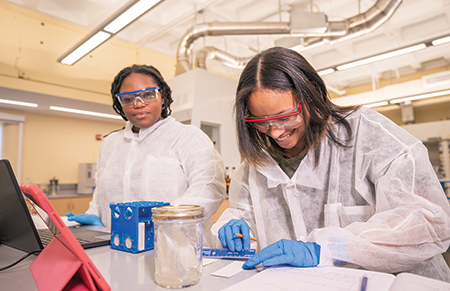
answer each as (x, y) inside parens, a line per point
(328, 185)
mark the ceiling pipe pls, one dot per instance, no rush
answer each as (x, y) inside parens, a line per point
(355, 26)
(360, 24)
(220, 29)
(218, 55)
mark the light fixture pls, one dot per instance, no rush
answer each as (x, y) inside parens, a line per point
(382, 57)
(20, 103)
(326, 72)
(420, 96)
(84, 112)
(441, 40)
(376, 104)
(107, 29)
(90, 44)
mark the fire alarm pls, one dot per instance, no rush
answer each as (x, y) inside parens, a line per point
(98, 137)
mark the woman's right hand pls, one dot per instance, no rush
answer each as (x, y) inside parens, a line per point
(229, 240)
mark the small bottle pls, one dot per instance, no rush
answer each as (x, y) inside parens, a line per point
(178, 245)
(227, 178)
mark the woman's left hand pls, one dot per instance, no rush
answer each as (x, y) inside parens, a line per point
(90, 219)
(295, 253)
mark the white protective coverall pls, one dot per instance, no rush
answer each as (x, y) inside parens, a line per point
(377, 204)
(169, 162)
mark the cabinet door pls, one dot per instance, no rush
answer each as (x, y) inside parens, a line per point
(225, 204)
(62, 205)
(80, 204)
(76, 205)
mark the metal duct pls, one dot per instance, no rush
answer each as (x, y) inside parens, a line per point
(219, 55)
(336, 31)
(220, 29)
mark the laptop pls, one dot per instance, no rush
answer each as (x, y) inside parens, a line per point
(17, 228)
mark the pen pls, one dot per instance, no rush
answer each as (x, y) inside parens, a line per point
(364, 283)
(240, 235)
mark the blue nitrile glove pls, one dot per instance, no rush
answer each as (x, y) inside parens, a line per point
(295, 253)
(91, 219)
(228, 239)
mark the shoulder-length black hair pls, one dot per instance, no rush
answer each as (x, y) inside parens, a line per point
(283, 69)
(151, 71)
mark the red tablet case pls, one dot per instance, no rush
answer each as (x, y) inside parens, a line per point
(62, 264)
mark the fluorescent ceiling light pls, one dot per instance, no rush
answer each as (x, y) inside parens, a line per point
(382, 57)
(421, 96)
(326, 72)
(109, 28)
(376, 104)
(12, 102)
(91, 113)
(131, 14)
(441, 40)
(86, 47)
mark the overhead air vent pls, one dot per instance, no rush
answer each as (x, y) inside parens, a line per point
(435, 80)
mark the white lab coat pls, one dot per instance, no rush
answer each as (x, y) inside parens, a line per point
(168, 161)
(377, 204)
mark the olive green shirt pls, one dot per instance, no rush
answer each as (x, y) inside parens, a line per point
(289, 165)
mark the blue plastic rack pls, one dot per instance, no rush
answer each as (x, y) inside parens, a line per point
(132, 225)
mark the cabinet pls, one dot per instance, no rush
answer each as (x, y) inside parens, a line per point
(225, 204)
(76, 205)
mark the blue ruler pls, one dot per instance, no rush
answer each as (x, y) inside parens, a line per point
(226, 253)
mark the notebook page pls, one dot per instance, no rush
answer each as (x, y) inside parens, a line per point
(317, 279)
(411, 282)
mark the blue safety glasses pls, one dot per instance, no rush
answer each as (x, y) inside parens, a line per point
(290, 118)
(147, 95)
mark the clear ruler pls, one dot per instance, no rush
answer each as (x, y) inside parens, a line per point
(226, 253)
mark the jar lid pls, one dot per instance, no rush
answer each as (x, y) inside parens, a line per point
(178, 212)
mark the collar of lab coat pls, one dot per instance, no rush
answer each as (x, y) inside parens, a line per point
(305, 175)
(144, 132)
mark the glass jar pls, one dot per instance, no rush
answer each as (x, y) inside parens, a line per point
(178, 245)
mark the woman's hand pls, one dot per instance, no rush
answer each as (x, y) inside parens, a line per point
(229, 240)
(91, 219)
(295, 253)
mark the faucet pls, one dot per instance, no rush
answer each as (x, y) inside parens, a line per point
(53, 186)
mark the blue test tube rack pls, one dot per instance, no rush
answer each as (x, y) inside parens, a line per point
(132, 227)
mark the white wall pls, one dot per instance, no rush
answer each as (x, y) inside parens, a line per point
(436, 137)
(429, 130)
(204, 97)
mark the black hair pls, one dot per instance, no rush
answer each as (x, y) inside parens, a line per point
(282, 69)
(151, 71)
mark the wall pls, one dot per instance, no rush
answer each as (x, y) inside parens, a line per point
(433, 109)
(31, 43)
(53, 146)
(427, 110)
(10, 142)
(206, 98)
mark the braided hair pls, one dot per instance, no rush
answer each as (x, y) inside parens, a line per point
(151, 71)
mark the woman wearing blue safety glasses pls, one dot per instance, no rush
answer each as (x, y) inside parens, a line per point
(154, 157)
(328, 185)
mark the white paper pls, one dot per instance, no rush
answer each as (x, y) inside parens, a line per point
(317, 279)
(69, 223)
(411, 282)
(207, 261)
(229, 270)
